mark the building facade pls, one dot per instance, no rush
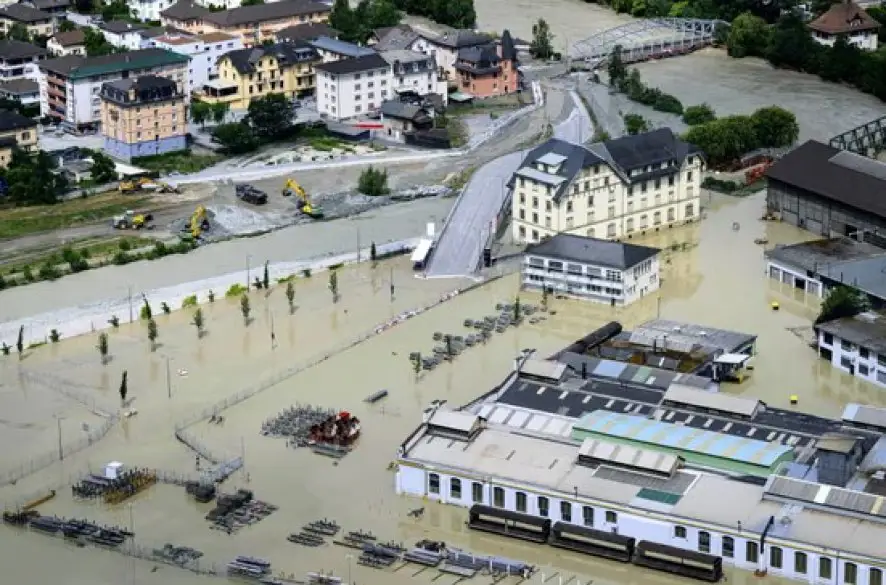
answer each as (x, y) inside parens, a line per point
(856, 345)
(121, 34)
(416, 73)
(20, 60)
(401, 120)
(606, 190)
(36, 22)
(16, 131)
(149, 10)
(67, 43)
(444, 48)
(331, 49)
(24, 91)
(247, 74)
(848, 21)
(204, 51)
(352, 87)
(70, 86)
(603, 271)
(145, 116)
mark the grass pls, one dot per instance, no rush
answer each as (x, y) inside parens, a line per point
(178, 162)
(458, 182)
(93, 250)
(16, 222)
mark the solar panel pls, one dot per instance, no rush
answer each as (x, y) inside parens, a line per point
(851, 500)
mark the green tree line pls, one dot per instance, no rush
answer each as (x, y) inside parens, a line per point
(455, 13)
(726, 140)
(355, 25)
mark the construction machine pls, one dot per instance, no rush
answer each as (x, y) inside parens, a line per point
(199, 222)
(292, 188)
(134, 185)
(132, 220)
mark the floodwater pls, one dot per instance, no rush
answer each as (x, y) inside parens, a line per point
(713, 274)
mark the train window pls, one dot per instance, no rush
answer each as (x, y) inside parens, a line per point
(543, 505)
(566, 511)
(587, 514)
(611, 517)
(800, 562)
(498, 497)
(824, 567)
(455, 488)
(433, 483)
(521, 502)
(728, 547)
(850, 573)
(477, 492)
(751, 551)
(875, 576)
(776, 557)
(704, 541)
(679, 532)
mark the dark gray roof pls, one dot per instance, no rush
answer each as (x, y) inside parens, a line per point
(577, 158)
(14, 121)
(143, 83)
(70, 38)
(479, 53)
(244, 60)
(185, 10)
(819, 254)
(593, 251)
(49, 5)
(19, 86)
(812, 167)
(159, 31)
(355, 65)
(24, 13)
(867, 275)
(648, 151)
(395, 38)
(508, 50)
(867, 330)
(457, 39)
(120, 26)
(306, 32)
(404, 111)
(340, 47)
(265, 12)
(19, 50)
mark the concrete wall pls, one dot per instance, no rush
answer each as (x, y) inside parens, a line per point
(121, 150)
(852, 359)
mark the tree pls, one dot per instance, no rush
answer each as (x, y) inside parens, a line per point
(103, 347)
(66, 26)
(251, 2)
(724, 140)
(454, 13)
(290, 296)
(517, 313)
(103, 168)
(96, 44)
(343, 19)
(840, 63)
(124, 390)
(748, 36)
(20, 341)
(373, 253)
(840, 302)
(236, 138)
(54, 335)
(700, 114)
(220, 111)
(791, 45)
(373, 182)
(635, 124)
(775, 127)
(153, 333)
(333, 285)
(146, 311)
(32, 180)
(200, 112)
(542, 46)
(270, 116)
(197, 321)
(266, 278)
(18, 32)
(616, 67)
(544, 297)
(245, 308)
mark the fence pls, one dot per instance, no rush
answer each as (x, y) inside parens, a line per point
(64, 388)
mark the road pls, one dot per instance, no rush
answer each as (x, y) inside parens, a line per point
(468, 226)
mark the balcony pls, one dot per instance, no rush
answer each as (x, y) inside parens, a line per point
(218, 91)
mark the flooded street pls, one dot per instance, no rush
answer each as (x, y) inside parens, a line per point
(712, 275)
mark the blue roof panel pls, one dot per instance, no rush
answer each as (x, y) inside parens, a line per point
(609, 368)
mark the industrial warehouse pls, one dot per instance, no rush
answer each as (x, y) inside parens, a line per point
(597, 456)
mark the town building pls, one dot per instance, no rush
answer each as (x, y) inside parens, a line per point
(57, 8)
(305, 32)
(16, 131)
(20, 60)
(403, 119)
(24, 91)
(70, 86)
(331, 49)
(603, 271)
(204, 51)
(829, 192)
(352, 87)
(149, 10)
(62, 44)
(488, 70)
(856, 345)
(610, 190)
(445, 46)
(255, 24)
(36, 22)
(247, 74)
(143, 116)
(846, 20)
(122, 34)
(415, 73)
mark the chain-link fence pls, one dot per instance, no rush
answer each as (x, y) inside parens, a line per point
(156, 556)
(66, 388)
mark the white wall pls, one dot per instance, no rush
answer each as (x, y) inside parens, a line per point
(145, 10)
(866, 41)
(641, 280)
(28, 71)
(336, 94)
(794, 276)
(444, 56)
(859, 361)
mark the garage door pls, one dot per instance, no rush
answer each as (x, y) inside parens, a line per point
(790, 217)
(814, 226)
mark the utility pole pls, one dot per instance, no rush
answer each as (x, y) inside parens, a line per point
(658, 308)
(358, 245)
(248, 258)
(130, 305)
(168, 379)
(392, 284)
(61, 451)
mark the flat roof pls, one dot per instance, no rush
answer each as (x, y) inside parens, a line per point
(632, 373)
(723, 339)
(700, 441)
(819, 254)
(551, 158)
(593, 251)
(866, 274)
(541, 176)
(462, 422)
(543, 369)
(717, 401)
(421, 251)
(840, 500)
(865, 415)
(866, 329)
(628, 456)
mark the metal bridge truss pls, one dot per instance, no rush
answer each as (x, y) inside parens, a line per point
(647, 38)
(866, 140)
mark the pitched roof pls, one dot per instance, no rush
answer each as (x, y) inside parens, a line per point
(216, 37)
(574, 159)
(866, 329)
(49, 4)
(395, 38)
(24, 13)
(10, 49)
(648, 149)
(159, 31)
(844, 17)
(306, 32)
(593, 251)
(70, 38)
(355, 65)
(78, 67)
(508, 50)
(185, 10)
(19, 86)
(10, 120)
(143, 83)
(404, 111)
(120, 26)
(456, 39)
(244, 60)
(340, 47)
(835, 175)
(265, 12)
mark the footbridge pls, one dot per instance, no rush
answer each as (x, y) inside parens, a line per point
(645, 39)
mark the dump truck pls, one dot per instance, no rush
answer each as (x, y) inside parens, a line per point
(249, 194)
(133, 220)
(292, 189)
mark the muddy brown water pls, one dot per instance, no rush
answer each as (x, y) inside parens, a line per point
(713, 275)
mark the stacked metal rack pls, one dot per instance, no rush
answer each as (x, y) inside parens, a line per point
(295, 423)
(250, 567)
(234, 511)
(81, 530)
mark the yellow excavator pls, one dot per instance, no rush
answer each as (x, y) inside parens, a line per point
(292, 188)
(146, 184)
(199, 222)
(133, 220)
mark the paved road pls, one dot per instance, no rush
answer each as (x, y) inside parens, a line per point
(467, 228)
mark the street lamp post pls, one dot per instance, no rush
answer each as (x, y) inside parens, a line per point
(61, 451)
(248, 258)
(350, 558)
(168, 379)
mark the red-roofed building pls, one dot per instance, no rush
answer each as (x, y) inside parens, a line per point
(849, 21)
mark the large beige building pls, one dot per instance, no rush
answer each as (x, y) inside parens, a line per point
(16, 131)
(608, 190)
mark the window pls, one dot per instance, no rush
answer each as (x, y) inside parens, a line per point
(828, 339)
(433, 483)
(824, 567)
(751, 551)
(670, 214)
(610, 230)
(690, 209)
(728, 547)
(689, 176)
(881, 358)
(845, 345)
(477, 492)
(543, 506)
(455, 488)
(875, 576)
(569, 206)
(863, 370)
(611, 517)
(776, 557)
(679, 532)
(566, 511)
(863, 353)
(800, 562)
(521, 502)
(498, 497)
(587, 515)
(850, 573)
(704, 541)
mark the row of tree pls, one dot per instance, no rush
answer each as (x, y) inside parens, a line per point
(454, 13)
(629, 83)
(355, 25)
(726, 140)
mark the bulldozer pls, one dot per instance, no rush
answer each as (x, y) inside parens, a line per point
(132, 220)
(199, 222)
(292, 188)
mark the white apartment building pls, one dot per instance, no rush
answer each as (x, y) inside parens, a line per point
(416, 72)
(331, 49)
(20, 60)
(444, 47)
(146, 10)
(352, 87)
(592, 269)
(203, 51)
(67, 43)
(121, 34)
(608, 190)
(856, 345)
(849, 21)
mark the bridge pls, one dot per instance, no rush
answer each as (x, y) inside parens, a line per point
(650, 38)
(866, 140)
